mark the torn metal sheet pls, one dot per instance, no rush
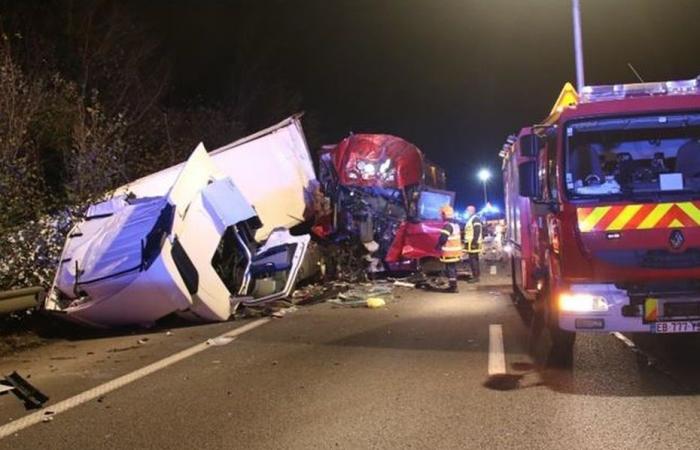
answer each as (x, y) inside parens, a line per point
(271, 168)
(133, 260)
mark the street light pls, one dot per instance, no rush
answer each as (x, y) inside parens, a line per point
(484, 176)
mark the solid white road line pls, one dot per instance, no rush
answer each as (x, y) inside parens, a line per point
(91, 394)
(497, 357)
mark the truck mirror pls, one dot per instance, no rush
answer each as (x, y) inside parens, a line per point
(527, 174)
(530, 145)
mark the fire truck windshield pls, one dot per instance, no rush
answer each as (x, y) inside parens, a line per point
(633, 156)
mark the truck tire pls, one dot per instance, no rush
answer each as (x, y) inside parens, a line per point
(545, 322)
(518, 298)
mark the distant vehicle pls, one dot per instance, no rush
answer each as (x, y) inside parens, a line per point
(386, 194)
(603, 211)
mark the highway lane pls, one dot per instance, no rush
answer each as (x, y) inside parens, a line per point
(414, 374)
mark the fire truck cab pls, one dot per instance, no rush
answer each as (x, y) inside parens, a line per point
(603, 211)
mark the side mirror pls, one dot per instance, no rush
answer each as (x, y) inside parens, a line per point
(530, 145)
(527, 175)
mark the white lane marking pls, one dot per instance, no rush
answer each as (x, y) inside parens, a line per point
(497, 357)
(625, 340)
(91, 394)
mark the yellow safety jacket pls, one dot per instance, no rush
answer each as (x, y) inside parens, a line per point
(451, 251)
(473, 235)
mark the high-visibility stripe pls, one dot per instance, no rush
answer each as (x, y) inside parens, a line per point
(639, 216)
(621, 220)
(593, 218)
(691, 210)
(654, 216)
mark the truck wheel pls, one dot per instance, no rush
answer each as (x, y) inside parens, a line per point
(544, 322)
(517, 298)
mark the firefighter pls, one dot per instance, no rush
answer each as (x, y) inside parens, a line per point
(473, 239)
(450, 246)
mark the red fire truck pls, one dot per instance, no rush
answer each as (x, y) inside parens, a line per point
(603, 211)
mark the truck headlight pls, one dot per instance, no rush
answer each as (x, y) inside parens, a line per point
(581, 302)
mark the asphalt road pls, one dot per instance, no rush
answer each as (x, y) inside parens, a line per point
(411, 375)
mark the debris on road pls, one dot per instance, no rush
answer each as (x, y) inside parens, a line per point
(404, 284)
(31, 396)
(375, 302)
(369, 295)
(221, 340)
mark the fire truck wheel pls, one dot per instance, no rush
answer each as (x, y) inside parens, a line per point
(561, 352)
(518, 298)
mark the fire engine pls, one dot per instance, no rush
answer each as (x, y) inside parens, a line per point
(603, 211)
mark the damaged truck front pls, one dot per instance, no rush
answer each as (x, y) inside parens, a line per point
(197, 248)
(385, 194)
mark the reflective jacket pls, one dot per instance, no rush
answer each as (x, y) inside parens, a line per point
(473, 235)
(451, 250)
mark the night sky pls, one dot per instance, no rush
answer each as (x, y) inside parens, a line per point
(454, 77)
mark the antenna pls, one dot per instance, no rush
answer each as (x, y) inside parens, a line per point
(634, 71)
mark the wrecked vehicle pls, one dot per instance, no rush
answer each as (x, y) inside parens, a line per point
(385, 194)
(272, 168)
(135, 259)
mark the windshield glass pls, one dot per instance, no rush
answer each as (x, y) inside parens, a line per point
(657, 155)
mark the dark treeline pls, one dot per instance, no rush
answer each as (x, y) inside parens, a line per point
(90, 98)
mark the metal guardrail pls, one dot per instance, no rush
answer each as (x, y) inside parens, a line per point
(20, 299)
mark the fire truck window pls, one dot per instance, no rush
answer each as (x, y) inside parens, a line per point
(633, 156)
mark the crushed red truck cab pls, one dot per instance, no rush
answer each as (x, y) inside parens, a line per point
(385, 194)
(603, 210)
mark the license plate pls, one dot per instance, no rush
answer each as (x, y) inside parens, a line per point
(676, 326)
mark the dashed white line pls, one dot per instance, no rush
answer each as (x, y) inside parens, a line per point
(497, 358)
(91, 394)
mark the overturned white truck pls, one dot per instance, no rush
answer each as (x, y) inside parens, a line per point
(196, 240)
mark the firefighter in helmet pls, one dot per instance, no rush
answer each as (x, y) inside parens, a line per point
(473, 239)
(450, 246)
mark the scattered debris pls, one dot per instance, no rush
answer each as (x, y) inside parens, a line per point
(142, 340)
(221, 340)
(122, 349)
(404, 284)
(48, 416)
(31, 396)
(168, 333)
(375, 302)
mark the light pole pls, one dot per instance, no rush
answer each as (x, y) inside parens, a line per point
(484, 176)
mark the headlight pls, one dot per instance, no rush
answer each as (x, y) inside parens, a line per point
(580, 302)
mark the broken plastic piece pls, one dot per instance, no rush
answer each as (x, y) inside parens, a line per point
(31, 396)
(375, 302)
(221, 340)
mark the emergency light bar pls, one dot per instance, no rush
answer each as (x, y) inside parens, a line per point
(591, 94)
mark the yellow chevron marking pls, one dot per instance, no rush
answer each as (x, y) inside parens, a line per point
(625, 216)
(654, 216)
(676, 224)
(691, 210)
(593, 218)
